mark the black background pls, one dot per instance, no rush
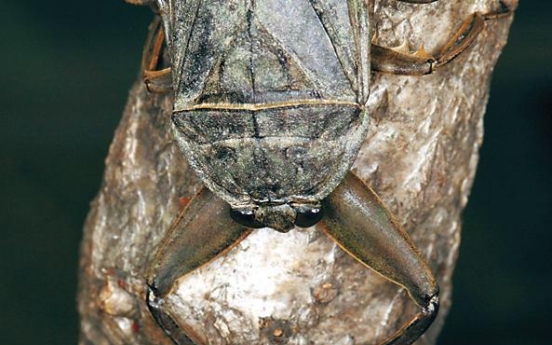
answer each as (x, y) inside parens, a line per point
(66, 67)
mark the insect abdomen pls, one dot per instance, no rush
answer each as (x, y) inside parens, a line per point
(274, 154)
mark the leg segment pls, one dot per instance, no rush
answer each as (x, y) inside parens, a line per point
(390, 61)
(200, 233)
(156, 75)
(360, 224)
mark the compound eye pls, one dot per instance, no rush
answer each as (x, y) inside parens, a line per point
(308, 216)
(245, 217)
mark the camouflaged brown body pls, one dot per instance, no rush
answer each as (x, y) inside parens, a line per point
(269, 95)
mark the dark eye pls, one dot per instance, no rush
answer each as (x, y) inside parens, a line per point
(308, 216)
(245, 217)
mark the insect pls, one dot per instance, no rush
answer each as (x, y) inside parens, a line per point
(269, 108)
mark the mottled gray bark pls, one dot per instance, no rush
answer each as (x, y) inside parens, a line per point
(420, 155)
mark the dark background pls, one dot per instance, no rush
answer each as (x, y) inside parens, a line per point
(66, 70)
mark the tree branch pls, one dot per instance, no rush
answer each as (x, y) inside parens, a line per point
(420, 156)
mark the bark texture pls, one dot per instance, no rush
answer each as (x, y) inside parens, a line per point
(420, 156)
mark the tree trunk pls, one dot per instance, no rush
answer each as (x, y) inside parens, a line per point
(420, 156)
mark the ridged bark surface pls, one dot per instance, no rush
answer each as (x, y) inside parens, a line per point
(420, 156)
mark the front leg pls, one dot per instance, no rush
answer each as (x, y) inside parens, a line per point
(200, 233)
(155, 71)
(361, 224)
(391, 61)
